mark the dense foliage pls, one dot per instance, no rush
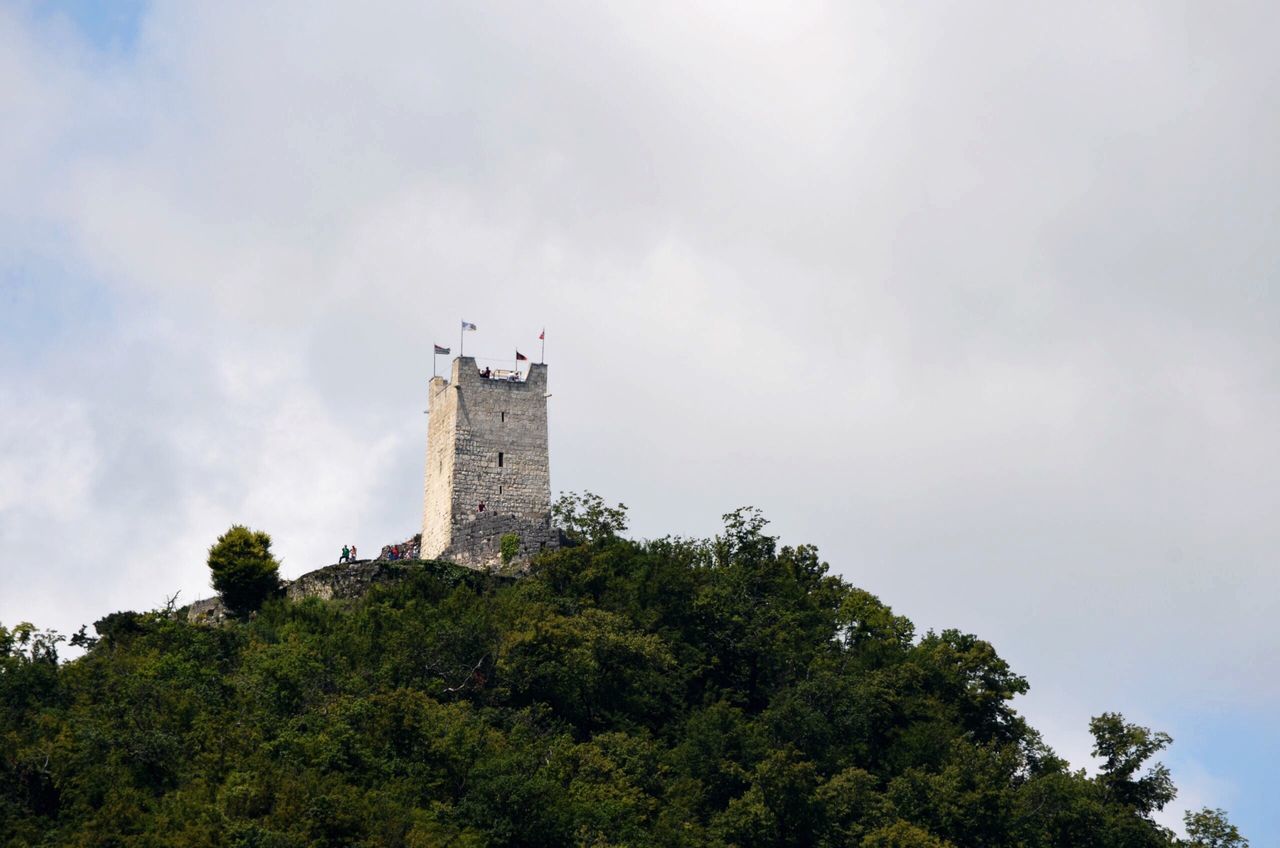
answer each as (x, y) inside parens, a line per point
(668, 693)
(244, 571)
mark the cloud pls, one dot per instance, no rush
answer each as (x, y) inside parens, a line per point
(48, 458)
(977, 299)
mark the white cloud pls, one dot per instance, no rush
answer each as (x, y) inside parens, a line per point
(978, 301)
(47, 457)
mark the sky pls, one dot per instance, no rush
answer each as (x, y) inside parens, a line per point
(978, 298)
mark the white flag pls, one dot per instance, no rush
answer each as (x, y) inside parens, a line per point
(466, 325)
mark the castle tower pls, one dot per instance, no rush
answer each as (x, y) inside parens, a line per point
(486, 444)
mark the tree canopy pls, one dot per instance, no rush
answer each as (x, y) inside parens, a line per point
(244, 572)
(702, 693)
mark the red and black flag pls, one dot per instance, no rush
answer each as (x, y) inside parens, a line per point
(520, 357)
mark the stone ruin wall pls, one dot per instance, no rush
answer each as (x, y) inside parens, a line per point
(472, 420)
(477, 540)
(411, 548)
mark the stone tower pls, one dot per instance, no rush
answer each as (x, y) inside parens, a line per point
(486, 444)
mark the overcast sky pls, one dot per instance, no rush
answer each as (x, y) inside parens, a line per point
(978, 298)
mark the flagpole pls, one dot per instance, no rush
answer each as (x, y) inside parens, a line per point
(461, 336)
(542, 357)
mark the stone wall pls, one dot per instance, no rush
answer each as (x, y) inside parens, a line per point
(486, 444)
(208, 611)
(477, 540)
(437, 500)
(411, 548)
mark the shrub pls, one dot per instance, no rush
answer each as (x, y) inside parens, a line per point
(244, 571)
(509, 546)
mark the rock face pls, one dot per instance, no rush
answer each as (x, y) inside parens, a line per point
(409, 549)
(343, 580)
(208, 611)
(487, 468)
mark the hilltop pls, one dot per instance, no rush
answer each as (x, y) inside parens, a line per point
(338, 581)
(722, 692)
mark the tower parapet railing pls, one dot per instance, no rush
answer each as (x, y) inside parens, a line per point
(506, 375)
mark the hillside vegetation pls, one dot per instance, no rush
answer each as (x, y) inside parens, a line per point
(668, 693)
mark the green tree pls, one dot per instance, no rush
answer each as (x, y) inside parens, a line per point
(594, 668)
(779, 808)
(903, 834)
(586, 518)
(850, 805)
(675, 693)
(1125, 748)
(1210, 829)
(244, 571)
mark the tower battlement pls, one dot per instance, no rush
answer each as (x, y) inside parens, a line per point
(487, 468)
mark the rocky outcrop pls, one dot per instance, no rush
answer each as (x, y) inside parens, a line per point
(208, 611)
(347, 580)
(343, 580)
(408, 549)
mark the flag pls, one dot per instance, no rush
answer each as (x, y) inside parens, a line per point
(467, 325)
(520, 356)
(543, 335)
(441, 349)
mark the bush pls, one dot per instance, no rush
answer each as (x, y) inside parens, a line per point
(244, 572)
(509, 546)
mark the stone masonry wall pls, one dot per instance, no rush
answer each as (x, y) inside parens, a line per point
(437, 500)
(477, 540)
(486, 444)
